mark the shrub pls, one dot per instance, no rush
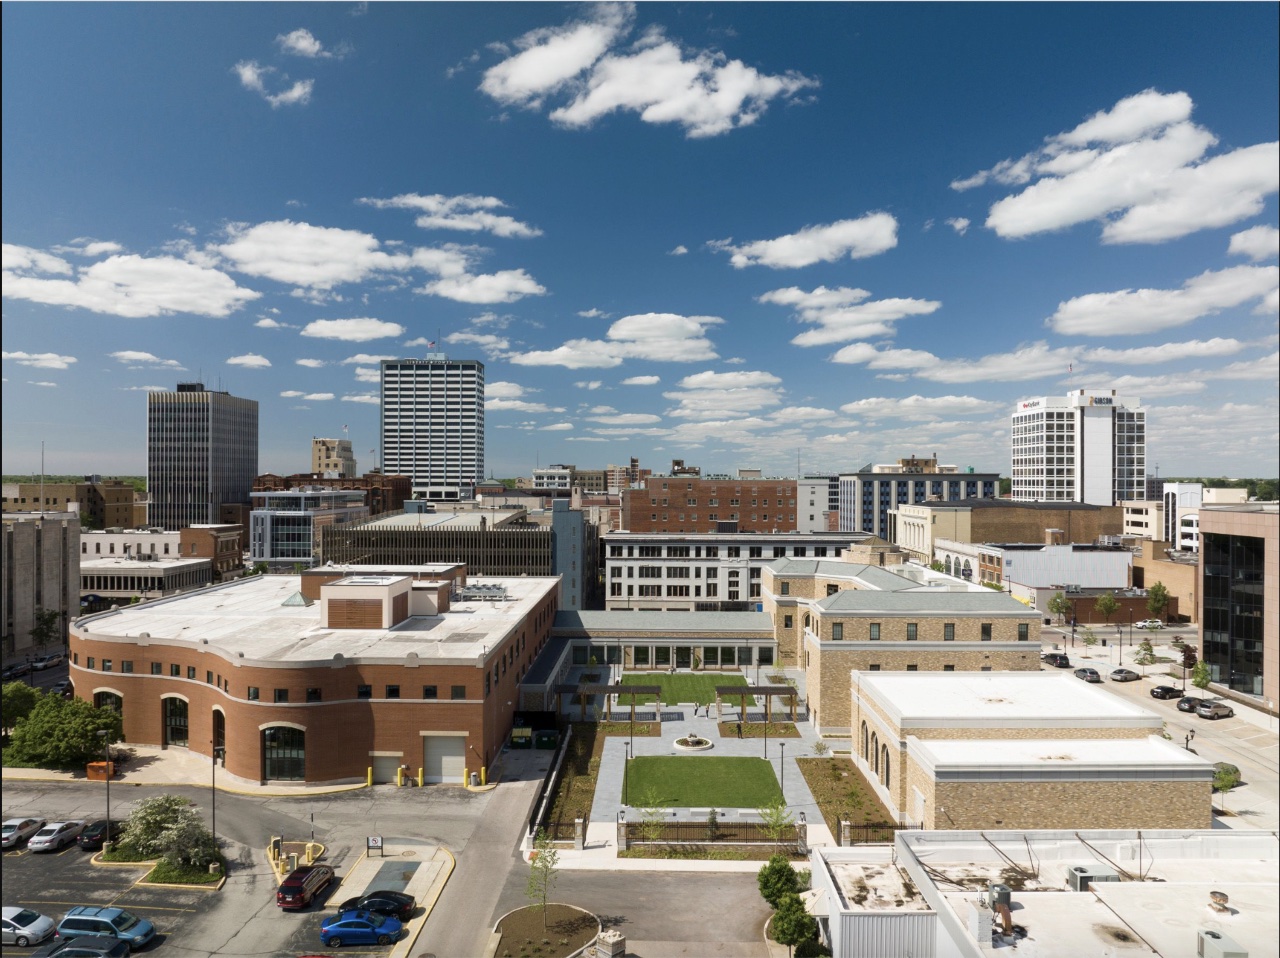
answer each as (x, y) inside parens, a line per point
(776, 878)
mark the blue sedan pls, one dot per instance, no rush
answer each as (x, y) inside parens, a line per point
(359, 928)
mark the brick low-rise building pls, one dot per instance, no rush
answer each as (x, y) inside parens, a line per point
(326, 677)
(1021, 750)
(695, 504)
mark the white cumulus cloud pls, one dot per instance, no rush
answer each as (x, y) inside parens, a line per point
(642, 381)
(372, 399)
(868, 235)
(300, 254)
(959, 224)
(133, 357)
(504, 286)
(250, 361)
(253, 77)
(312, 363)
(843, 313)
(921, 408)
(361, 330)
(467, 212)
(40, 360)
(1257, 243)
(303, 43)
(659, 337)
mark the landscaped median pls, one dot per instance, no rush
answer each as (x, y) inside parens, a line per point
(163, 872)
(166, 833)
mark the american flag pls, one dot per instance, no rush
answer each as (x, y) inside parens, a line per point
(431, 344)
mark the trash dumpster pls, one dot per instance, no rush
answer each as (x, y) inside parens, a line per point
(521, 737)
(546, 738)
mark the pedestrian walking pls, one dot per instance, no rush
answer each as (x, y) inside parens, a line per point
(739, 730)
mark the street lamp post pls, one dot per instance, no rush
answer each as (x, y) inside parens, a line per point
(626, 767)
(1131, 628)
(1186, 743)
(218, 752)
(105, 735)
(782, 767)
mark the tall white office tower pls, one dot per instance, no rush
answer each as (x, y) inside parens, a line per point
(433, 424)
(202, 453)
(1089, 446)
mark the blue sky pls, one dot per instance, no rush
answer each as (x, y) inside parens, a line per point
(744, 235)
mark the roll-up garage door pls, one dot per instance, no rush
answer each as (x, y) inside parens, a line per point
(384, 768)
(443, 758)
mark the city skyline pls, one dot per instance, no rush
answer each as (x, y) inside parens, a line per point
(793, 238)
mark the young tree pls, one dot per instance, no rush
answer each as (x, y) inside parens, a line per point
(1106, 605)
(61, 733)
(791, 923)
(542, 872)
(652, 815)
(1146, 654)
(46, 629)
(1225, 778)
(776, 878)
(1157, 600)
(1200, 676)
(775, 821)
(1088, 637)
(19, 699)
(1060, 606)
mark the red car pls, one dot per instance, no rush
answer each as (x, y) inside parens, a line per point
(302, 885)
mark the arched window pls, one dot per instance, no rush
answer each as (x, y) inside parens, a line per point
(865, 739)
(175, 722)
(219, 729)
(109, 700)
(875, 752)
(284, 754)
(948, 564)
(884, 766)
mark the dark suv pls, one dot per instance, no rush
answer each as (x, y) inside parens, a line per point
(1058, 660)
(302, 885)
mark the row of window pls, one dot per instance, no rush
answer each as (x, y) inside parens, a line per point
(713, 552)
(948, 630)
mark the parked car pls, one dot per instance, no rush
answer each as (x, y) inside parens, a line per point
(394, 903)
(17, 830)
(63, 687)
(1124, 675)
(109, 922)
(1189, 703)
(1165, 692)
(23, 927)
(85, 946)
(1089, 675)
(1214, 710)
(302, 885)
(1058, 660)
(359, 928)
(55, 835)
(95, 833)
(1149, 624)
(46, 662)
(17, 670)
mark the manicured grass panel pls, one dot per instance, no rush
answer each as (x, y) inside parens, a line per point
(681, 687)
(702, 781)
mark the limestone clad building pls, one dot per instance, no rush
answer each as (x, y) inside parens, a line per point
(323, 677)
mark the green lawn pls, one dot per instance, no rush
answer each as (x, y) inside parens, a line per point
(686, 687)
(689, 781)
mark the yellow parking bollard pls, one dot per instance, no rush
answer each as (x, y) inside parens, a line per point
(400, 776)
(420, 770)
(484, 775)
(466, 776)
(369, 777)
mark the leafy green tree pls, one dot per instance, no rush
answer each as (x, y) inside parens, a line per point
(937, 566)
(46, 628)
(1088, 637)
(777, 877)
(19, 700)
(542, 872)
(775, 821)
(1060, 606)
(1106, 605)
(791, 923)
(170, 827)
(1265, 490)
(259, 568)
(1225, 778)
(1006, 486)
(1200, 676)
(652, 815)
(61, 733)
(189, 843)
(1146, 654)
(1157, 600)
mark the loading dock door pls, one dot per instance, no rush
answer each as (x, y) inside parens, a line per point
(443, 758)
(384, 768)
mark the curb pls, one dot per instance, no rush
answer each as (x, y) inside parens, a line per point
(495, 937)
(331, 790)
(150, 866)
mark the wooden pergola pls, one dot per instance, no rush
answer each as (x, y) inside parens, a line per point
(586, 689)
(768, 691)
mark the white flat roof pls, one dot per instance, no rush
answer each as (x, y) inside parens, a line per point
(1044, 755)
(997, 699)
(125, 564)
(492, 519)
(246, 619)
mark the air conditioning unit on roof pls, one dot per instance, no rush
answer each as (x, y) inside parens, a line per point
(1214, 944)
(1080, 877)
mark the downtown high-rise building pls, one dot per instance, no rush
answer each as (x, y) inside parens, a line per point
(1088, 446)
(202, 454)
(433, 424)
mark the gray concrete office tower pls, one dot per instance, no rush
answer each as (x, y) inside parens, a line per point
(202, 453)
(433, 424)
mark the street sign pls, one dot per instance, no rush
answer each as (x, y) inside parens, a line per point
(374, 843)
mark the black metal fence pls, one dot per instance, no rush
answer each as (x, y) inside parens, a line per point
(880, 833)
(701, 833)
(546, 794)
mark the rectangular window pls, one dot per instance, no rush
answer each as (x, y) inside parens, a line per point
(785, 588)
(106, 665)
(913, 668)
(1023, 631)
(662, 655)
(986, 631)
(911, 631)
(949, 632)
(711, 656)
(253, 693)
(873, 668)
(313, 695)
(733, 552)
(948, 668)
(754, 552)
(157, 668)
(429, 692)
(778, 551)
(364, 691)
(175, 670)
(486, 685)
(457, 692)
(393, 691)
(832, 588)
(837, 631)
(985, 668)
(191, 672)
(875, 631)
(91, 661)
(126, 666)
(282, 695)
(640, 655)
(787, 621)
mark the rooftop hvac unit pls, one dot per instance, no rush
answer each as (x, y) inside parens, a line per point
(1214, 944)
(1080, 877)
